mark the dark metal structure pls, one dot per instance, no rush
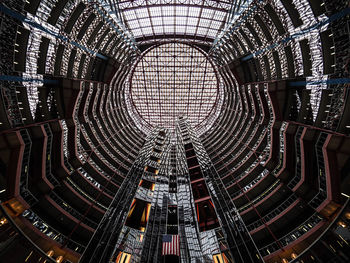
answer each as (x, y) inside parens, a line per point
(97, 165)
(149, 21)
(170, 80)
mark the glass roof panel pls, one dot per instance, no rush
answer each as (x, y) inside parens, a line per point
(173, 80)
(175, 17)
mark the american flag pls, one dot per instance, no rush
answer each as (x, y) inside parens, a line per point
(171, 245)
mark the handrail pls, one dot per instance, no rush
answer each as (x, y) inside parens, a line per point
(296, 260)
(12, 222)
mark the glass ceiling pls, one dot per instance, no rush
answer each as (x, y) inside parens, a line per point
(195, 19)
(172, 80)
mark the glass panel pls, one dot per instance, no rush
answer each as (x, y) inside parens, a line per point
(190, 17)
(173, 80)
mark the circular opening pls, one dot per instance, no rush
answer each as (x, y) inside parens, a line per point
(173, 80)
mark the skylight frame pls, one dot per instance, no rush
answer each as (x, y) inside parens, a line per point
(197, 75)
(180, 18)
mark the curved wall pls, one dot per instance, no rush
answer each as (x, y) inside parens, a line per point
(280, 143)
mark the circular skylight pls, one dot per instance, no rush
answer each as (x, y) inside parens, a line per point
(173, 80)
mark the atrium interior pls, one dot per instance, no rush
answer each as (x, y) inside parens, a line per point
(174, 131)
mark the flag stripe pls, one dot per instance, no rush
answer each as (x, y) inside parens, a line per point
(171, 245)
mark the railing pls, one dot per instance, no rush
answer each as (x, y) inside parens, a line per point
(24, 188)
(58, 200)
(260, 197)
(293, 235)
(251, 184)
(297, 176)
(80, 191)
(48, 173)
(275, 212)
(11, 233)
(50, 232)
(322, 189)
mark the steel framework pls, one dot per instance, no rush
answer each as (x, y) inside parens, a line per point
(172, 80)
